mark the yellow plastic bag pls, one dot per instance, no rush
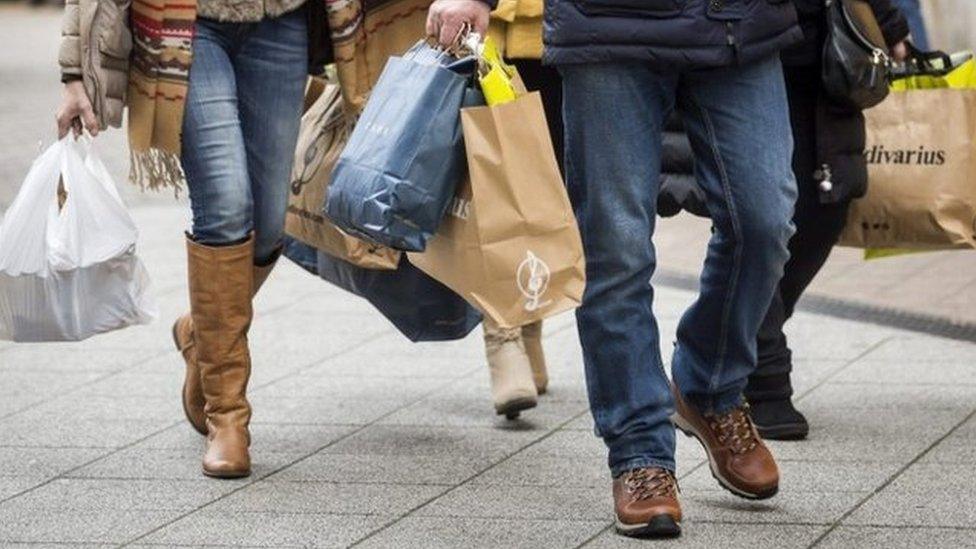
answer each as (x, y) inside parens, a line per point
(496, 77)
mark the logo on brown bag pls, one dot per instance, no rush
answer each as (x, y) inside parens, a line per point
(878, 154)
(532, 278)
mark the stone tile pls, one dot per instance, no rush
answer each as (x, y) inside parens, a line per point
(43, 462)
(899, 537)
(433, 441)
(43, 384)
(307, 410)
(959, 447)
(478, 533)
(347, 387)
(140, 463)
(271, 529)
(900, 398)
(54, 432)
(927, 494)
(110, 495)
(265, 437)
(789, 506)
(384, 468)
(523, 502)
(705, 535)
(73, 527)
(871, 370)
(11, 486)
(812, 476)
(844, 434)
(917, 348)
(328, 498)
(70, 358)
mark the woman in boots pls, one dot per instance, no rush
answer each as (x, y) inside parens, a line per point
(830, 169)
(214, 90)
(515, 356)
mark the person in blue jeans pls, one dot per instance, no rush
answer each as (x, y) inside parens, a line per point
(626, 64)
(912, 10)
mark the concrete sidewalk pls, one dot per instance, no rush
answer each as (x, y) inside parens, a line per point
(362, 438)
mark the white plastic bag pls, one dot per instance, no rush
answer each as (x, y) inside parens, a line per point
(69, 273)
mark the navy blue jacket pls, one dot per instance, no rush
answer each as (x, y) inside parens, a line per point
(671, 34)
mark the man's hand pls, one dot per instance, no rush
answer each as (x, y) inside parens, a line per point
(900, 52)
(446, 18)
(76, 111)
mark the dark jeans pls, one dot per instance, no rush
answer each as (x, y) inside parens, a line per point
(737, 121)
(818, 227)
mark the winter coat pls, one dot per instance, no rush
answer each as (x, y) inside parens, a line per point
(671, 34)
(516, 26)
(840, 134)
(95, 45)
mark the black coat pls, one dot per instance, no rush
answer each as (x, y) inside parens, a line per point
(675, 34)
(839, 137)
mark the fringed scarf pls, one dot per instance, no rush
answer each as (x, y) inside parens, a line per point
(162, 33)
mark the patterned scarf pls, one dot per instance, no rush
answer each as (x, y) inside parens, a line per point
(162, 33)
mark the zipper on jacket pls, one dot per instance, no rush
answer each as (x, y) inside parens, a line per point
(730, 39)
(825, 177)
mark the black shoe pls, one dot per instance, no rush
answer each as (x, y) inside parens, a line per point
(778, 420)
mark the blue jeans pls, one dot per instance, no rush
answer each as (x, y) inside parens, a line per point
(240, 128)
(916, 23)
(738, 122)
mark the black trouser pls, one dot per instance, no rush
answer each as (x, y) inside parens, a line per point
(546, 81)
(818, 227)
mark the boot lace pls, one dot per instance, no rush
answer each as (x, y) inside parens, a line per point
(734, 430)
(651, 482)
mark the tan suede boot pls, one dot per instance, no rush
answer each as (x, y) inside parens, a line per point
(183, 337)
(512, 388)
(532, 338)
(221, 286)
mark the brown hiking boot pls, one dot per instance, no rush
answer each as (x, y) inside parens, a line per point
(646, 503)
(737, 456)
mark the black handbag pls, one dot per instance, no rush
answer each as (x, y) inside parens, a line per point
(856, 66)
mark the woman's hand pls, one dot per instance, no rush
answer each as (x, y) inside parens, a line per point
(76, 111)
(445, 18)
(900, 52)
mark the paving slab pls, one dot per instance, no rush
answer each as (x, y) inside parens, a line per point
(705, 535)
(268, 529)
(478, 533)
(899, 537)
(927, 494)
(331, 498)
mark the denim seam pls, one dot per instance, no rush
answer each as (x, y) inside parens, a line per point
(737, 255)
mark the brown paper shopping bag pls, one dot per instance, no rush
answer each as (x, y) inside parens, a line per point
(509, 244)
(921, 156)
(324, 131)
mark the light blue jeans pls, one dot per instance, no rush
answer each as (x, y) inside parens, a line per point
(240, 128)
(738, 121)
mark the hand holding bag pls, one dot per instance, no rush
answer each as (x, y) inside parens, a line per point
(405, 158)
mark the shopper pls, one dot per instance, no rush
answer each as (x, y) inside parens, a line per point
(516, 359)
(625, 65)
(214, 91)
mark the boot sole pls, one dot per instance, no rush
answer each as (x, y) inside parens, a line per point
(683, 426)
(226, 474)
(176, 342)
(784, 431)
(661, 526)
(512, 409)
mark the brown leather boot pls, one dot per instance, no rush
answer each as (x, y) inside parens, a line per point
(532, 338)
(512, 388)
(646, 503)
(183, 337)
(221, 286)
(737, 455)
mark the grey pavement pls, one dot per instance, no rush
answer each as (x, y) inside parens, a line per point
(362, 438)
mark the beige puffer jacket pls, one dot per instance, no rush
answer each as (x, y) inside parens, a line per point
(95, 45)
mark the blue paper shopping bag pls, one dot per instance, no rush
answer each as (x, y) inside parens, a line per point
(419, 307)
(395, 178)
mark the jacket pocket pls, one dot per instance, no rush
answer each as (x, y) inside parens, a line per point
(631, 8)
(114, 41)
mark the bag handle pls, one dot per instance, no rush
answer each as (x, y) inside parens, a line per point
(927, 63)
